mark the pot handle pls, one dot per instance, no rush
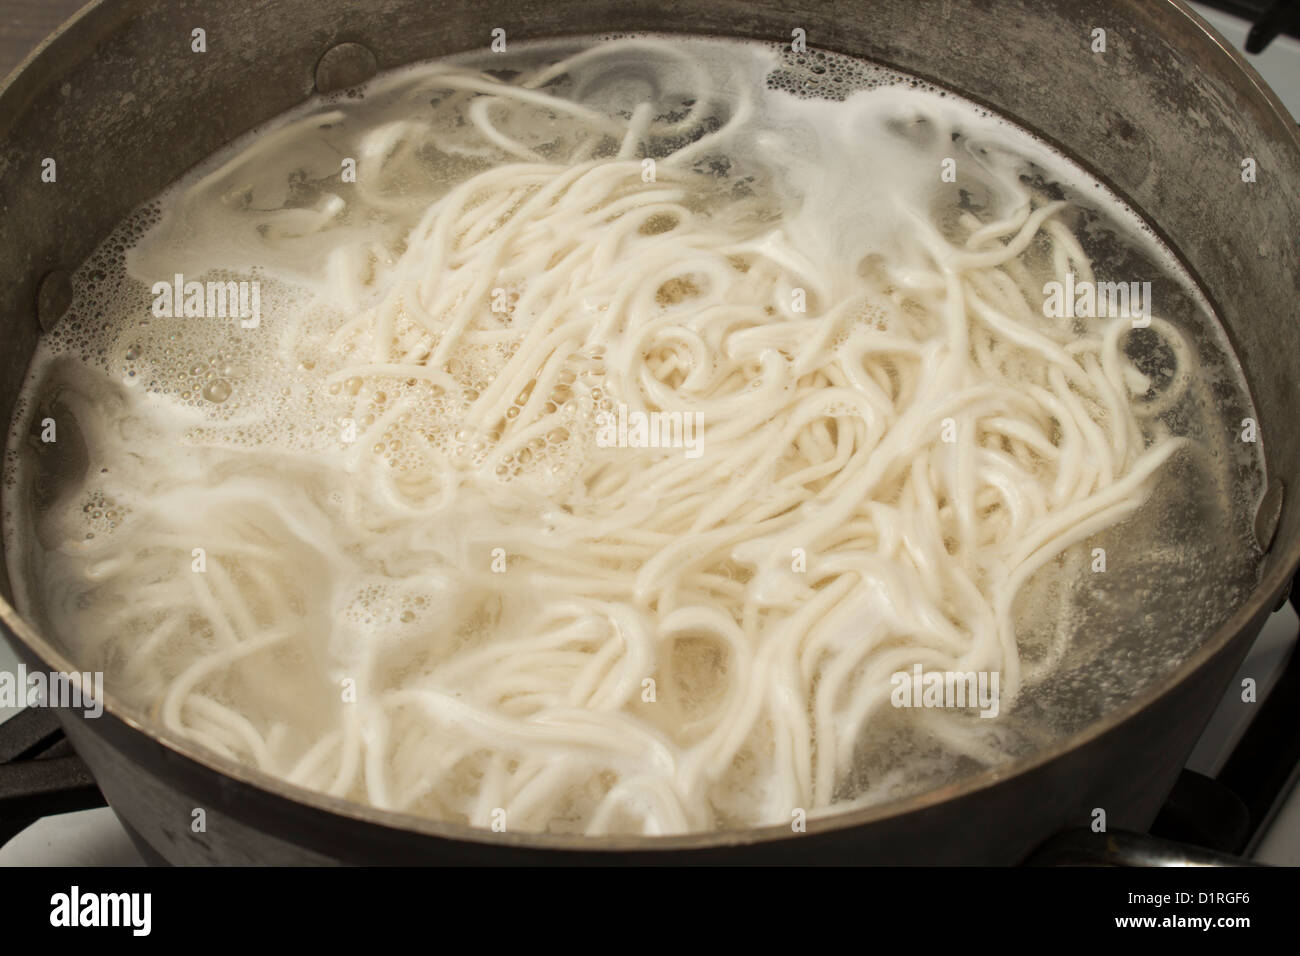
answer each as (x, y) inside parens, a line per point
(40, 774)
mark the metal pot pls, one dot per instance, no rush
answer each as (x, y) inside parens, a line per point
(122, 102)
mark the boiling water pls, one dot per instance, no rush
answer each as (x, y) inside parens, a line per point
(329, 532)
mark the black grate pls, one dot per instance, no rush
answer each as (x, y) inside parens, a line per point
(1269, 19)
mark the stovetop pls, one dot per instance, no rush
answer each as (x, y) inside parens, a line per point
(1225, 751)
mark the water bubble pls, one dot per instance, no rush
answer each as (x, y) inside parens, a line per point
(217, 390)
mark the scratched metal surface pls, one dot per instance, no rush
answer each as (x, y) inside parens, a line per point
(25, 23)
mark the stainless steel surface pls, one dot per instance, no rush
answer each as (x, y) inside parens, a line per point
(125, 105)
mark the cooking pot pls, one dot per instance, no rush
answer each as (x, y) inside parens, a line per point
(1165, 116)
